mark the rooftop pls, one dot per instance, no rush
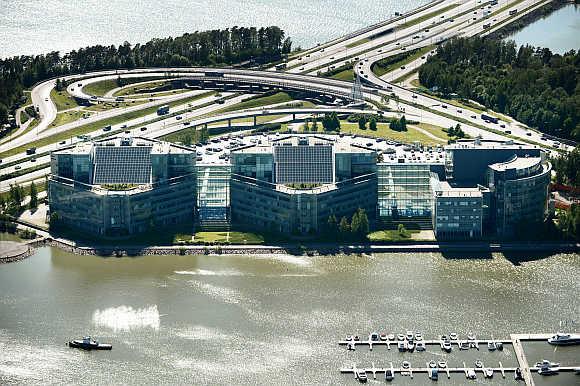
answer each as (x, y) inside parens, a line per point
(479, 144)
(517, 163)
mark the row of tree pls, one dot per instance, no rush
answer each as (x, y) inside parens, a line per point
(399, 124)
(13, 203)
(205, 48)
(533, 85)
(567, 167)
(357, 227)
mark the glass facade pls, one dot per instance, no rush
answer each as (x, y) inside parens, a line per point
(404, 190)
(213, 192)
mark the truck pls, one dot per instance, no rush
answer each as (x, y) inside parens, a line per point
(489, 119)
(163, 110)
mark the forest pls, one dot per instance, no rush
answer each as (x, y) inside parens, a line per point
(206, 48)
(533, 85)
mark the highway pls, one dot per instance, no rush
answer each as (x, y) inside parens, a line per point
(424, 27)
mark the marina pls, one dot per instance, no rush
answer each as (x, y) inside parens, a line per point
(407, 342)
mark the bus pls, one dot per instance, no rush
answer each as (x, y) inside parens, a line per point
(163, 110)
(488, 118)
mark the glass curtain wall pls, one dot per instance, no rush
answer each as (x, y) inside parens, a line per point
(213, 192)
(404, 190)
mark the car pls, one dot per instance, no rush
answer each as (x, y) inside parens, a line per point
(427, 30)
(127, 132)
(17, 167)
(301, 68)
(416, 37)
(474, 116)
(423, 57)
(143, 128)
(474, 18)
(508, 131)
(444, 106)
(46, 99)
(33, 160)
(123, 126)
(332, 58)
(460, 111)
(414, 96)
(178, 117)
(380, 50)
(62, 143)
(186, 123)
(402, 67)
(366, 75)
(529, 134)
(403, 48)
(308, 55)
(502, 126)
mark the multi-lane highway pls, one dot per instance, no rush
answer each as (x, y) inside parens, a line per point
(421, 28)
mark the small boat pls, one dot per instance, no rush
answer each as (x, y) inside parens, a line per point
(374, 337)
(409, 335)
(389, 376)
(420, 346)
(432, 364)
(518, 376)
(391, 337)
(402, 346)
(87, 343)
(499, 346)
(478, 364)
(443, 337)
(453, 336)
(411, 346)
(488, 373)
(349, 338)
(361, 375)
(546, 363)
(400, 337)
(546, 370)
(463, 345)
(442, 364)
(433, 374)
(418, 336)
(561, 339)
(471, 374)
(470, 336)
(356, 338)
(350, 346)
(383, 336)
(491, 346)
(446, 346)
(406, 365)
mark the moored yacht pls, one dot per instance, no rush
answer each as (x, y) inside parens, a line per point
(87, 343)
(361, 375)
(420, 346)
(546, 363)
(562, 339)
(389, 376)
(547, 370)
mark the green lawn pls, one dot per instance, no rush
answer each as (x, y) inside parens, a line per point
(279, 97)
(90, 127)
(344, 75)
(409, 136)
(384, 66)
(232, 237)
(427, 16)
(129, 89)
(358, 42)
(67, 117)
(391, 235)
(100, 88)
(112, 105)
(62, 100)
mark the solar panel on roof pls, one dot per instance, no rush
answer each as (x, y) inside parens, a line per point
(122, 165)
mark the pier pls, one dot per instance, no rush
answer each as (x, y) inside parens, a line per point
(515, 341)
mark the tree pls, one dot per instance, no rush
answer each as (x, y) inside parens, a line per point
(204, 134)
(33, 204)
(402, 230)
(403, 123)
(332, 224)
(344, 226)
(364, 225)
(362, 122)
(187, 139)
(373, 124)
(315, 124)
(355, 223)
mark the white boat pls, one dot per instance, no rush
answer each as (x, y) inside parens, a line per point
(361, 375)
(420, 346)
(391, 337)
(546, 363)
(562, 339)
(499, 346)
(488, 373)
(546, 370)
(349, 338)
(402, 346)
(383, 336)
(453, 336)
(406, 365)
(410, 346)
(471, 374)
(442, 364)
(409, 335)
(518, 376)
(432, 364)
(464, 345)
(389, 376)
(478, 364)
(418, 336)
(400, 337)
(446, 346)
(470, 336)
(491, 346)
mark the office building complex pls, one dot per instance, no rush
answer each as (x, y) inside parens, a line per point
(293, 183)
(122, 186)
